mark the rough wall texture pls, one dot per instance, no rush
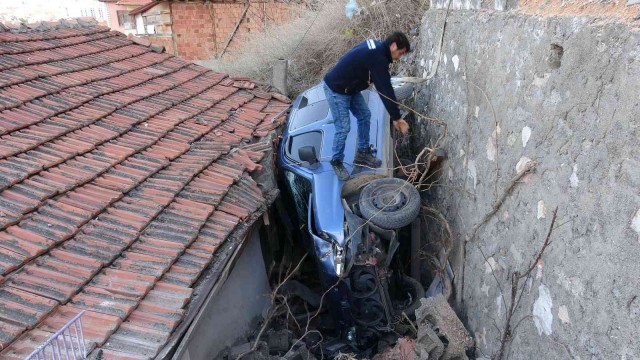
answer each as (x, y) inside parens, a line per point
(201, 30)
(564, 92)
(166, 41)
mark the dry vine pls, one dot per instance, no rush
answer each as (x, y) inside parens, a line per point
(529, 168)
(279, 303)
(507, 333)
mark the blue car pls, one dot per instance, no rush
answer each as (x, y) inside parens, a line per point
(350, 228)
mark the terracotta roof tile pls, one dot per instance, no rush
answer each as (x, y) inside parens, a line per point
(137, 340)
(105, 301)
(25, 344)
(8, 333)
(97, 327)
(22, 308)
(122, 171)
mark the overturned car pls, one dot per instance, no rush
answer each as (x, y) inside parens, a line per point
(351, 228)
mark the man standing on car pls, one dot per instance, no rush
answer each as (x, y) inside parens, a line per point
(366, 63)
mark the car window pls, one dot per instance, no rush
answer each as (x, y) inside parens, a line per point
(300, 189)
(309, 114)
(312, 138)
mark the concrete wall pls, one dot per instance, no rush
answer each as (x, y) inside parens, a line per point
(234, 311)
(565, 91)
(158, 19)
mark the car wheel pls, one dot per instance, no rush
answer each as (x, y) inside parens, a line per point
(357, 182)
(414, 292)
(403, 90)
(389, 203)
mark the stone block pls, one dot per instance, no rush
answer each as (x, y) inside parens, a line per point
(436, 313)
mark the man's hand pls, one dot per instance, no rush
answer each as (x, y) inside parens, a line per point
(401, 125)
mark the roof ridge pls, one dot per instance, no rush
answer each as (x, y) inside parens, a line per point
(39, 26)
(146, 42)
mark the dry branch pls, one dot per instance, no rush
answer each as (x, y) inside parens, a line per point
(507, 333)
(274, 309)
(530, 167)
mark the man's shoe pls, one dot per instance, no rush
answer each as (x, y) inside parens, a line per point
(364, 158)
(340, 170)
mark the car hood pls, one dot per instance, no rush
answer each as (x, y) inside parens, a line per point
(326, 202)
(328, 210)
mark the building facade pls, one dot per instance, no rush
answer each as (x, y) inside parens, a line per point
(197, 30)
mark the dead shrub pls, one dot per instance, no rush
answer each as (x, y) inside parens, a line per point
(315, 41)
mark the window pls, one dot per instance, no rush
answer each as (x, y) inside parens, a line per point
(93, 13)
(124, 19)
(312, 138)
(307, 114)
(300, 190)
(100, 13)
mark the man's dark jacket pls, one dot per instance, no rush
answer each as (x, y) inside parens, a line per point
(367, 62)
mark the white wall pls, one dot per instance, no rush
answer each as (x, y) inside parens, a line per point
(235, 311)
(140, 24)
(49, 10)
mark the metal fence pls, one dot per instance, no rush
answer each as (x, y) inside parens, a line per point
(67, 343)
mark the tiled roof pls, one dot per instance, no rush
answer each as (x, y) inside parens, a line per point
(144, 8)
(132, 2)
(122, 170)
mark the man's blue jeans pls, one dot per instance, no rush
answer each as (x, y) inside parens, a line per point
(340, 104)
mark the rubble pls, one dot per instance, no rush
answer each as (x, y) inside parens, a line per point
(429, 346)
(440, 328)
(300, 353)
(244, 352)
(404, 349)
(279, 341)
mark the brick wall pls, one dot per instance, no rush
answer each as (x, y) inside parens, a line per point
(166, 41)
(202, 30)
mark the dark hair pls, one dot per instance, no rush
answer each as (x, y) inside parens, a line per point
(401, 40)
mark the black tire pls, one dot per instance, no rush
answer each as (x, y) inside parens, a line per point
(417, 292)
(357, 182)
(389, 203)
(403, 90)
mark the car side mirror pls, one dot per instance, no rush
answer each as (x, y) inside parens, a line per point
(307, 155)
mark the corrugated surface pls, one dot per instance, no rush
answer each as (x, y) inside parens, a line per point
(122, 170)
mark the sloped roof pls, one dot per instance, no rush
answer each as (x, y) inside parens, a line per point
(132, 2)
(122, 170)
(143, 8)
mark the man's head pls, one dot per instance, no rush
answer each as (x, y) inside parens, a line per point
(398, 45)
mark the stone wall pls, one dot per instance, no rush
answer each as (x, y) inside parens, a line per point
(558, 84)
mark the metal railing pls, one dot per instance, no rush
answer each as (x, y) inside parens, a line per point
(67, 343)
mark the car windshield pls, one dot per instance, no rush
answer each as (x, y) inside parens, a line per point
(309, 114)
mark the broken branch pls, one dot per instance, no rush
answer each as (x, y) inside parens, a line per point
(530, 167)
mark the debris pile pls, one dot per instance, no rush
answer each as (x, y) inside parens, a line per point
(278, 345)
(438, 334)
(441, 334)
